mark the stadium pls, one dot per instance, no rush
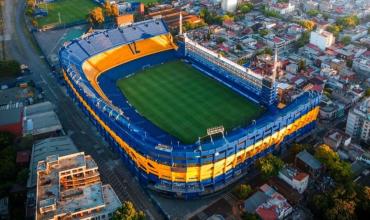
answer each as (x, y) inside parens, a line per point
(187, 121)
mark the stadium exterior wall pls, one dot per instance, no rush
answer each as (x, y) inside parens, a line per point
(187, 171)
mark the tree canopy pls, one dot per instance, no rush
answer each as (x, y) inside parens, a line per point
(367, 93)
(349, 21)
(308, 24)
(269, 165)
(242, 191)
(210, 17)
(313, 12)
(9, 68)
(339, 170)
(346, 40)
(96, 16)
(246, 7)
(334, 29)
(128, 212)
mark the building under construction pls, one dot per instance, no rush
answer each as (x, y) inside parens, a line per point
(69, 187)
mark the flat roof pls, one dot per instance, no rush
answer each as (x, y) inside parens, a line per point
(60, 146)
(309, 159)
(10, 116)
(10, 95)
(38, 108)
(78, 199)
(41, 123)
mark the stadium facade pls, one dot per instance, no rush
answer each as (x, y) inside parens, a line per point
(92, 65)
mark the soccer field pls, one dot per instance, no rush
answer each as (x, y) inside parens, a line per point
(183, 102)
(70, 11)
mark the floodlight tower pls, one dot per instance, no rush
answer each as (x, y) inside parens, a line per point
(180, 23)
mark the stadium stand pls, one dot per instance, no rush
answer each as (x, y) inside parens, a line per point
(93, 64)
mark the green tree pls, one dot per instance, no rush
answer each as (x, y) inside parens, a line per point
(22, 176)
(249, 216)
(96, 16)
(302, 65)
(334, 29)
(313, 12)
(339, 170)
(269, 166)
(7, 163)
(304, 39)
(242, 191)
(6, 139)
(296, 148)
(263, 32)
(349, 21)
(345, 40)
(9, 68)
(246, 8)
(128, 212)
(367, 93)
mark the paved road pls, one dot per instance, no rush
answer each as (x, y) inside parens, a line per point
(86, 138)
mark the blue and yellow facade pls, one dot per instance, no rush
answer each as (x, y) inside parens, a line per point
(179, 170)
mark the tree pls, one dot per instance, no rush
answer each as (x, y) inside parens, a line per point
(263, 32)
(339, 170)
(108, 8)
(6, 139)
(34, 23)
(367, 93)
(22, 176)
(128, 212)
(9, 68)
(349, 21)
(308, 24)
(239, 47)
(304, 39)
(269, 166)
(246, 8)
(334, 29)
(346, 40)
(115, 10)
(296, 148)
(302, 65)
(313, 12)
(30, 3)
(242, 191)
(96, 16)
(249, 216)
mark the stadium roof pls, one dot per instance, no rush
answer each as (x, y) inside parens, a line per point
(102, 41)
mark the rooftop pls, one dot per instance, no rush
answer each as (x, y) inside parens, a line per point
(10, 115)
(309, 160)
(70, 186)
(41, 123)
(293, 173)
(251, 204)
(38, 108)
(60, 146)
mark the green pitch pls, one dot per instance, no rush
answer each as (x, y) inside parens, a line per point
(183, 102)
(70, 11)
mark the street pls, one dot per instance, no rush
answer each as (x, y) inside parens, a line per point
(76, 125)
